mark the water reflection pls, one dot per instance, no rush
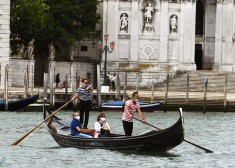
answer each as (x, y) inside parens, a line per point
(149, 153)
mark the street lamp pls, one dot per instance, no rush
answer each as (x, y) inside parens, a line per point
(105, 49)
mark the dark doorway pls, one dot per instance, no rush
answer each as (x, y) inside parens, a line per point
(41, 66)
(198, 56)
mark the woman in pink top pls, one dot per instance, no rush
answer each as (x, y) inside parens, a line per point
(130, 107)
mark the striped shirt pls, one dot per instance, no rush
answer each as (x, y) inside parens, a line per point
(132, 108)
(84, 94)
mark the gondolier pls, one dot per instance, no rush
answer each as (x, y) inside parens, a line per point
(127, 117)
(85, 102)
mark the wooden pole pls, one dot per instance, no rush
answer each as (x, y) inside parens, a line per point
(205, 93)
(6, 87)
(77, 86)
(32, 81)
(26, 82)
(74, 84)
(166, 94)
(137, 82)
(125, 84)
(117, 87)
(152, 97)
(45, 85)
(51, 87)
(225, 93)
(66, 87)
(98, 86)
(54, 87)
(187, 90)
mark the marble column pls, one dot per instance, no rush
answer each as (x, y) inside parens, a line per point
(164, 31)
(134, 32)
(228, 32)
(218, 36)
(187, 36)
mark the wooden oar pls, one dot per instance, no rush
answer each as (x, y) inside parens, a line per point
(24, 136)
(207, 150)
(20, 139)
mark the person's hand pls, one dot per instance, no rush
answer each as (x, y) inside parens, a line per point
(131, 116)
(143, 121)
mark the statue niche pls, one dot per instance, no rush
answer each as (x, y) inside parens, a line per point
(124, 23)
(173, 24)
(148, 13)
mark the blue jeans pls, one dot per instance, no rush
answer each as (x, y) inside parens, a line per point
(81, 135)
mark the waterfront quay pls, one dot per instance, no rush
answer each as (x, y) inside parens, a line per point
(174, 100)
(202, 91)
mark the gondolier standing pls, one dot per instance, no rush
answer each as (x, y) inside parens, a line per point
(85, 102)
(127, 117)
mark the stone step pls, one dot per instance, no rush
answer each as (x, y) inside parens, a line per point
(216, 82)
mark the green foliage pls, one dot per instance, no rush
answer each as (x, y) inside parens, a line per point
(27, 20)
(46, 21)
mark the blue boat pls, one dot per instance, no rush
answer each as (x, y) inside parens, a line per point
(118, 106)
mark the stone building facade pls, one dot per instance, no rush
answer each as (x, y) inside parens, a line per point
(170, 35)
(4, 38)
(150, 35)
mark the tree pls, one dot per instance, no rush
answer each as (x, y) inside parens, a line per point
(46, 21)
(27, 21)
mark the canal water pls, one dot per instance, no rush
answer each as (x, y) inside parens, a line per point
(214, 131)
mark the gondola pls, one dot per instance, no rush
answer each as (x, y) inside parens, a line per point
(154, 140)
(118, 106)
(14, 105)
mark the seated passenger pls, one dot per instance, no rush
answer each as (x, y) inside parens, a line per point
(102, 128)
(76, 129)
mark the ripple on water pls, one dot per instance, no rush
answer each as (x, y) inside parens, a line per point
(214, 131)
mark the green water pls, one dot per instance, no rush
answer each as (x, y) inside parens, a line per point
(214, 131)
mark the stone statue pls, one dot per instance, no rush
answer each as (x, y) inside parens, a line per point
(72, 52)
(173, 24)
(30, 50)
(148, 28)
(51, 52)
(149, 10)
(124, 23)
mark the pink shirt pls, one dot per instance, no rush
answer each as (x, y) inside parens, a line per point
(132, 108)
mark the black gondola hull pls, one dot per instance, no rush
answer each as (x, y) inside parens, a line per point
(162, 140)
(14, 105)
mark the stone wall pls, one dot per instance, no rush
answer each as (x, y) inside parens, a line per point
(18, 68)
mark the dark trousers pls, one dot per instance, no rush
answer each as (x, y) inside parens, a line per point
(85, 107)
(128, 127)
(105, 133)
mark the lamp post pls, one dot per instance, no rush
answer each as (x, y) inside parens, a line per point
(106, 49)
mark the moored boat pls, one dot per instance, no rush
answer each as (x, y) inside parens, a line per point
(14, 105)
(155, 140)
(118, 106)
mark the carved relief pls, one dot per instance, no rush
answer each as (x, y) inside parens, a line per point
(148, 51)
